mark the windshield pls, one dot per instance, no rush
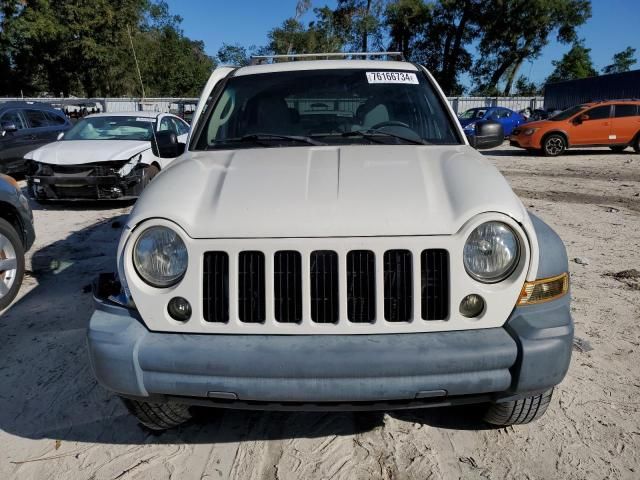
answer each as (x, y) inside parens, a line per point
(568, 113)
(332, 107)
(112, 128)
(473, 113)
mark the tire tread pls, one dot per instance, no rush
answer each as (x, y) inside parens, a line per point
(519, 412)
(158, 416)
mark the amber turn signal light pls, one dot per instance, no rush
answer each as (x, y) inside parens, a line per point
(544, 290)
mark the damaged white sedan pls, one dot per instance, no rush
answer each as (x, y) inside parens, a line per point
(106, 156)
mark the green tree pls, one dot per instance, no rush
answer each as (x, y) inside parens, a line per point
(443, 42)
(576, 63)
(323, 34)
(526, 88)
(622, 61)
(83, 47)
(515, 31)
(234, 54)
(404, 19)
(361, 23)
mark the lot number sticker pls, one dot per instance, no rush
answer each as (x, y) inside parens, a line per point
(392, 77)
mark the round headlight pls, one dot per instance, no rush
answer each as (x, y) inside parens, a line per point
(160, 257)
(491, 252)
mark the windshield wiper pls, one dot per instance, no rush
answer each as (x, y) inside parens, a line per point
(371, 134)
(263, 138)
(271, 136)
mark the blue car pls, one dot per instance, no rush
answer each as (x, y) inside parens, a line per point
(508, 118)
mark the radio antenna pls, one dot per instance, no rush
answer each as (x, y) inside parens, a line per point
(135, 57)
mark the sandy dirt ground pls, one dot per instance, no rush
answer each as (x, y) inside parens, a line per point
(56, 423)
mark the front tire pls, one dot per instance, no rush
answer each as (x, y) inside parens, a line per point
(11, 263)
(519, 412)
(554, 145)
(636, 143)
(158, 416)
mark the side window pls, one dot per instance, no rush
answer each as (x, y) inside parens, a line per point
(13, 116)
(166, 124)
(55, 120)
(181, 127)
(626, 111)
(36, 118)
(598, 113)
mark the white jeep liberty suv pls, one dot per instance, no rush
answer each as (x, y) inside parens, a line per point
(329, 239)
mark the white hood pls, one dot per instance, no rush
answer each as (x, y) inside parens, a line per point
(327, 192)
(77, 152)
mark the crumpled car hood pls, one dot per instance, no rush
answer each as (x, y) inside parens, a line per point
(327, 192)
(77, 152)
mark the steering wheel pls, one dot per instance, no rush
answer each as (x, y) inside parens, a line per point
(391, 123)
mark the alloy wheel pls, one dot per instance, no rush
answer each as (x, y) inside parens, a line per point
(8, 265)
(554, 146)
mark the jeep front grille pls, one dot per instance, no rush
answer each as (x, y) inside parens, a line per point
(361, 286)
(434, 273)
(216, 287)
(251, 307)
(325, 304)
(278, 286)
(398, 285)
(287, 285)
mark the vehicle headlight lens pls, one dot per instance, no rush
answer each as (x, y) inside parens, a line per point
(470, 126)
(530, 131)
(160, 257)
(491, 252)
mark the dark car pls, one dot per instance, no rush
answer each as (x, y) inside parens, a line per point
(505, 117)
(16, 237)
(25, 126)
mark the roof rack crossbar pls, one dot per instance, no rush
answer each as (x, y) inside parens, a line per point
(256, 59)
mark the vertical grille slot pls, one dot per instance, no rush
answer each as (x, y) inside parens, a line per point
(434, 266)
(398, 285)
(324, 286)
(287, 286)
(251, 307)
(215, 303)
(361, 286)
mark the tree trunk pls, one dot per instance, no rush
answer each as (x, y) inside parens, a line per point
(497, 75)
(512, 75)
(451, 60)
(365, 33)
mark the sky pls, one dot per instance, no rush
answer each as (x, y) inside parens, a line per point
(612, 27)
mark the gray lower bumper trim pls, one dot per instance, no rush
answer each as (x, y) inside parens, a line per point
(530, 354)
(129, 359)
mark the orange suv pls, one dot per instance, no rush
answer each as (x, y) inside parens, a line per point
(611, 123)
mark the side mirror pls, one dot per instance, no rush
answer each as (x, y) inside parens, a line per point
(581, 118)
(487, 134)
(165, 144)
(60, 135)
(8, 127)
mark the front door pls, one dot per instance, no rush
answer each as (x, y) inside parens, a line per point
(594, 129)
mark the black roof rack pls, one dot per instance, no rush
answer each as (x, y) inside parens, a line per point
(260, 59)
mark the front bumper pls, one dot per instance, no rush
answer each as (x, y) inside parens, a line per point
(110, 187)
(522, 141)
(529, 355)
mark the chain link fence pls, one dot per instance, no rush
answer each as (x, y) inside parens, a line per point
(169, 104)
